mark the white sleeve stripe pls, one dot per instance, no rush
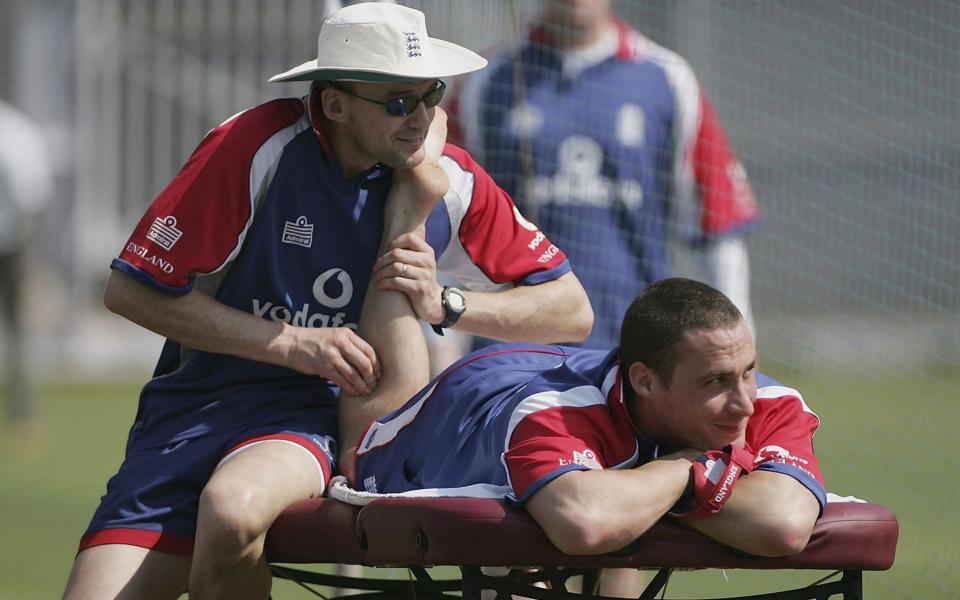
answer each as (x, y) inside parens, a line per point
(578, 397)
(777, 391)
(609, 381)
(455, 259)
(689, 113)
(262, 168)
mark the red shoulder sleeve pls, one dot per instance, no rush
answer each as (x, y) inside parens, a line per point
(780, 432)
(552, 441)
(198, 220)
(496, 237)
(728, 200)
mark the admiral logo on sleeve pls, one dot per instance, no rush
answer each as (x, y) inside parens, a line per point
(164, 235)
(585, 458)
(164, 232)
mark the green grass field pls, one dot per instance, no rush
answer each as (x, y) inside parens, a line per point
(891, 439)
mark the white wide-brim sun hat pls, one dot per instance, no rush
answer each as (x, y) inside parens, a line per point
(381, 42)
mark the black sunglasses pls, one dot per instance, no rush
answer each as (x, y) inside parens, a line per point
(401, 107)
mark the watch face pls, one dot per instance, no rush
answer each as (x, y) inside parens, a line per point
(456, 301)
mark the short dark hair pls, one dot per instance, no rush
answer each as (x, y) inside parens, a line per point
(659, 317)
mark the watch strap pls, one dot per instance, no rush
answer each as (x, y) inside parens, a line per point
(450, 316)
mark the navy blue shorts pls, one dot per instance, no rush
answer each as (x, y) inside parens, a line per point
(153, 499)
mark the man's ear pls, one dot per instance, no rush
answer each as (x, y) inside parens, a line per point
(332, 105)
(641, 380)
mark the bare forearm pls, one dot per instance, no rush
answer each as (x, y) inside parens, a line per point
(593, 512)
(197, 321)
(768, 514)
(552, 312)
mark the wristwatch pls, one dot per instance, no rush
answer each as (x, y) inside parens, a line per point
(454, 305)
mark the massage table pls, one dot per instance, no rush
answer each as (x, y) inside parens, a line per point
(471, 533)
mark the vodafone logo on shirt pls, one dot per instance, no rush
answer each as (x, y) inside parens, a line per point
(341, 297)
(332, 289)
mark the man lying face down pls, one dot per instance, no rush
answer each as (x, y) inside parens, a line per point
(599, 445)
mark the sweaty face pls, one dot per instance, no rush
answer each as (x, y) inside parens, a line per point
(711, 394)
(376, 136)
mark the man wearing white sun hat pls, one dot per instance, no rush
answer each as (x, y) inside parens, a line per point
(254, 264)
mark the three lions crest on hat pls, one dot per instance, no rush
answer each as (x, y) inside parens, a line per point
(381, 42)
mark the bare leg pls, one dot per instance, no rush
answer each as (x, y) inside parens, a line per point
(387, 321)
(122, 572)
(237, 507)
